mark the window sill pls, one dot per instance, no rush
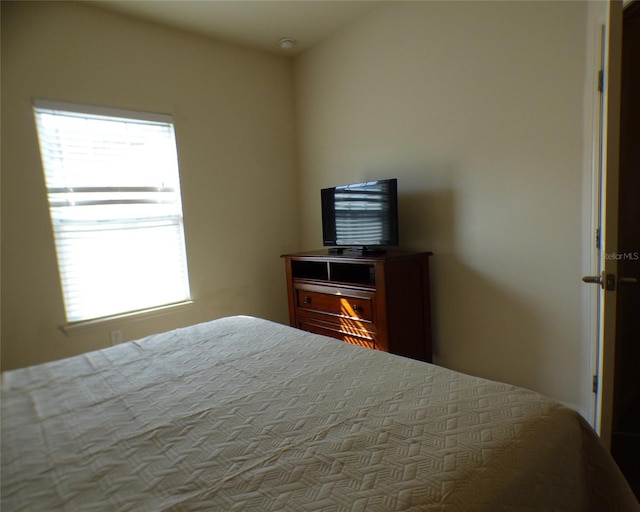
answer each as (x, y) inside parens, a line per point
(96, 324)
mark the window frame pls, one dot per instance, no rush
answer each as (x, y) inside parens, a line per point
(113, 114)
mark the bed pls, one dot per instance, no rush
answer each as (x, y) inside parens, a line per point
(245, 414)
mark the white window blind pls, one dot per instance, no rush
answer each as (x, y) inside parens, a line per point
(114, 196)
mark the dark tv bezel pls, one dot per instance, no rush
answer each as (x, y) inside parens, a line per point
(328, 217)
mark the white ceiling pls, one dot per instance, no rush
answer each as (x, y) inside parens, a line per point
(252, 23)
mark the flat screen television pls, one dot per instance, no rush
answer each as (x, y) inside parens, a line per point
(361, 215)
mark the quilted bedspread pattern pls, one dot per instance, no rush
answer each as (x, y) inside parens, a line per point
(245, 414)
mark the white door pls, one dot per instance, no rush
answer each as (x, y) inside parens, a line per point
(605, 208)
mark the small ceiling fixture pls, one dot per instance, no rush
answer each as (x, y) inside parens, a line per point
(286, 43)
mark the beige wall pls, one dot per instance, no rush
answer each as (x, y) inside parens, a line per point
(234, 121)
(478, 109)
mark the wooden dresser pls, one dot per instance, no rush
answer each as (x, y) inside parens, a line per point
(380, 301)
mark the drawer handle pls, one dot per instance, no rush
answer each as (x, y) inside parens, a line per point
(306, 300)
(357, 308)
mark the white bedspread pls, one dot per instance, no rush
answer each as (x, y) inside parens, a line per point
(245, 414)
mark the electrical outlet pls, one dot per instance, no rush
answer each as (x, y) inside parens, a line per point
(116, 336)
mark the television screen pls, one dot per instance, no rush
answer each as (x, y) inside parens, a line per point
(361, 214)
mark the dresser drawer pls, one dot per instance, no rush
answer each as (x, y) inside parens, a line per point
(358, 337)
(357, 306)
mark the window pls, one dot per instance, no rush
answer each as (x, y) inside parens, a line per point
(114, 198)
